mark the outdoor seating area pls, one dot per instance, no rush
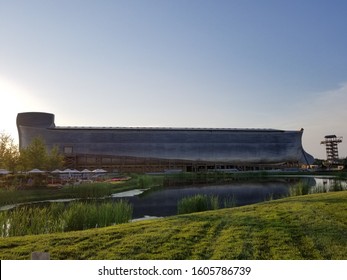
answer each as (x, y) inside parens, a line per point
(4, 172)
(75, 177)
(55, 178)
(76, 174)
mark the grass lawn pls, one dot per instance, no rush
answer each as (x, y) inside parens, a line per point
(304, 227)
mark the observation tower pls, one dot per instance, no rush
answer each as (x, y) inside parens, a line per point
(331, 142)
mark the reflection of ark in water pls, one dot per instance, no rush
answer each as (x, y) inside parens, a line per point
(157, 149)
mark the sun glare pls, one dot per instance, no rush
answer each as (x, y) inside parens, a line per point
(14, 99)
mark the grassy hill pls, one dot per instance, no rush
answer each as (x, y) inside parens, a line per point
(305, 227)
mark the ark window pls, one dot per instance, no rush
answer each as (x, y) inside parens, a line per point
(68, 150)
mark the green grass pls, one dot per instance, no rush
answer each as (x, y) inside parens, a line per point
(304, 227)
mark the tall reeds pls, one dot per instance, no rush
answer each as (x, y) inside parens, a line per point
(300, 188)
(303, 188)
(28, 221)
(202, 202)
(196, 203)
(82, 215)
(60, 218)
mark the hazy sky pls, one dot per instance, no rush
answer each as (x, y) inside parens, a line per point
(178, 63)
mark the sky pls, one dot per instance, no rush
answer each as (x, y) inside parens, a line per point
(178, 63)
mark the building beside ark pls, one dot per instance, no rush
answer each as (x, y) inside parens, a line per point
(148, 149)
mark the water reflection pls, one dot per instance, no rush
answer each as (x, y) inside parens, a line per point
(326, 184)
(163, 202)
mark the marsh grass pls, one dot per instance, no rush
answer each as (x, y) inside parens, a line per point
(230, 202)
(303, 188)
(122, 212)
(300, 188)
(192, 204)
(82, 215)
(60, 218)
(3, 224)
(197, 203)
(202, 202)
(337, 186)
(28, 221)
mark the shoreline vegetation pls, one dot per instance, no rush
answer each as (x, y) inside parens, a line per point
(63, 218)
(92, 190)
(310, 227)
(12, 195)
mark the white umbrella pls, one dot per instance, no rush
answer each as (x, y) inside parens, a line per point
(71, 172)
(68, 170)
(99, 171)
(57, 171)
(36, 171)
(4, 172)
(86, 171)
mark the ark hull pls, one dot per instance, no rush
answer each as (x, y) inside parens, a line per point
(212, 146)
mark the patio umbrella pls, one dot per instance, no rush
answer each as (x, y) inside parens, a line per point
(4, 172)
(99, 171)
(36, 171)
(86, 171)
(67, 170)
(70, 172)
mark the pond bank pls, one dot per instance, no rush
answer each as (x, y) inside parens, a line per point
(87, 190)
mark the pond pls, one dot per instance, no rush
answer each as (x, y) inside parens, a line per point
(163, 202)
(66, 215)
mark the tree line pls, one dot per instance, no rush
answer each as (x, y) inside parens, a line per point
(33, 156)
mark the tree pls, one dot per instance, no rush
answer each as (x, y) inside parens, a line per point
(55, 159)
(9, 153)
(36, 155)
